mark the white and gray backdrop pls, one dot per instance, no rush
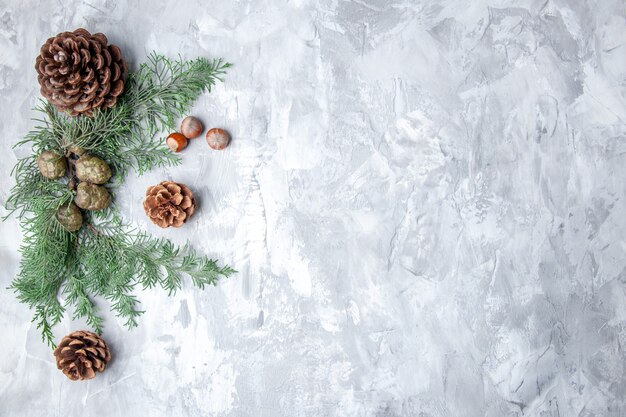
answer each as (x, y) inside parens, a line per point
(425, 201)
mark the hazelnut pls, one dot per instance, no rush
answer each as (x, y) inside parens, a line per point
(176, 142)
(217, 138)
(191, 127)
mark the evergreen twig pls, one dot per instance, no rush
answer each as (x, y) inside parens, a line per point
(106, 258)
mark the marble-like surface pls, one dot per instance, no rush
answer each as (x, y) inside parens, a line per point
(425, 200)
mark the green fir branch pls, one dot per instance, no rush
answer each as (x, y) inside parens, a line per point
(106, 258)
(45, 249)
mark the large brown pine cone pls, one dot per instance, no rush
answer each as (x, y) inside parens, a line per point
(81, 354)
(79, 72)
(169, 204)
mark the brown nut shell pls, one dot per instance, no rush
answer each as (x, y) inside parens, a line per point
(176, 142)
(191, 127)
(217, 138)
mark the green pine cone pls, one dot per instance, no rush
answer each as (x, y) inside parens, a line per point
(70, 217)
(51, 165)
(76, 150)
(92, 169)
(92, 197)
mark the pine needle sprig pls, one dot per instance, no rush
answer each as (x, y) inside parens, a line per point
(166, 89)
(75, 291)
(34, 192)
(116, 258)
(106, 258)
(45, 249)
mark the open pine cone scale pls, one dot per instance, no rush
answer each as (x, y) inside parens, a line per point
(81, 354)
(169, 204)
(79, 72)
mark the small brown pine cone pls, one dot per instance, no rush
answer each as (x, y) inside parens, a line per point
(169, 204)
(79, 72)
(81, 354)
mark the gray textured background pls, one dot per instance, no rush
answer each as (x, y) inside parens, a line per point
(425, 200)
